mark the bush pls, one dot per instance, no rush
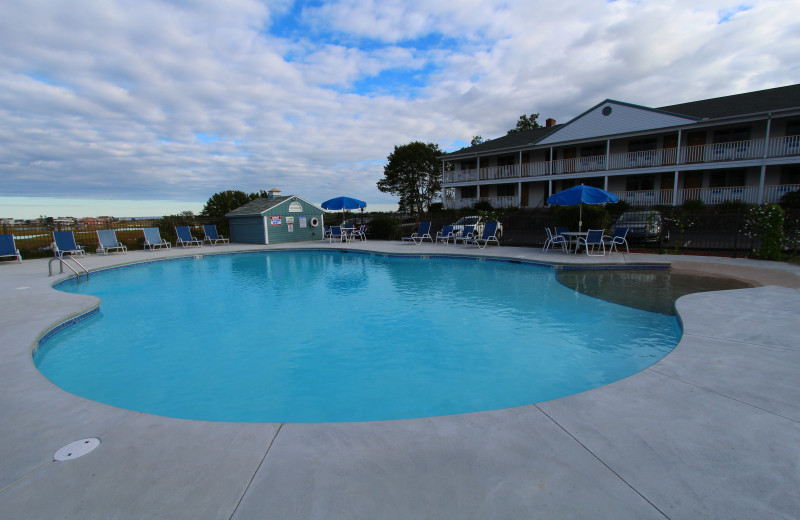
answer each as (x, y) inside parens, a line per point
(693, 205)
(732, 206)
(765, 223)
(615, 209)
(791, 200)
(483, 205)
(385, 228)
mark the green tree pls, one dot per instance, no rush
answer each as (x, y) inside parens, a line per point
(226, 201)
(525, 123)
(414, 173)
(476, 139)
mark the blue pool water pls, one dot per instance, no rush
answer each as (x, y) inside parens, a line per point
(326, 336)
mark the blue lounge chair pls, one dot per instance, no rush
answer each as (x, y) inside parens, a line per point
(422, 233)
(337, 234)
(185, 237)
(488, 235)
(360, 232)
(153, 240)
(617, 239)
(65, 244)
(445, 235)
(466, 235)
(554, 240)
(108, 241)
(212, 236)
(8, 248)
(592, 240)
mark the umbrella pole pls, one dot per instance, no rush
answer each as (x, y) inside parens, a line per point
(580, 217)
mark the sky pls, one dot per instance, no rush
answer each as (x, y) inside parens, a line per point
(147, 107)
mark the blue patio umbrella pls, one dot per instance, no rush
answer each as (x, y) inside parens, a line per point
(580, 195)
(343, 203)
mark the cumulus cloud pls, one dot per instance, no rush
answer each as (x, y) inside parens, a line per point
(181, 99)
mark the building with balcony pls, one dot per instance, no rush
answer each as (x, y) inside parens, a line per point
(744, 147)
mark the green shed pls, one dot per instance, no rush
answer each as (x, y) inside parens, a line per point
(275, 220)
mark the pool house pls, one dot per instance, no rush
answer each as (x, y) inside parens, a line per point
(743, 147)
(275, 220)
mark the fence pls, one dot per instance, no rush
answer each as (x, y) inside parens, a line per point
(36, 240)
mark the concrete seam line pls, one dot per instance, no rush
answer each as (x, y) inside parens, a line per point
(253, 476)
(601, 461)
(24, 477)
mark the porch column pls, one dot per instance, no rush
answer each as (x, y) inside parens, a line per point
(608, 158)
(551, 161)
(675, 185)
(762, 179)
(519, 194)
(678, 150)
(605, 183)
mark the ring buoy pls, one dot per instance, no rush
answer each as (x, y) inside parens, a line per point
(314, 222)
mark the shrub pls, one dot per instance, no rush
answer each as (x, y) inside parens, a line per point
(384, 228)
(765, 223)
(693, 205)
(791, 200)
(483, 205)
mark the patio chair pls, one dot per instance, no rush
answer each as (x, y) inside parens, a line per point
(554, 240)
(422, 233)
(593, 239)
(212, 236)
(337, 234)
(618, 238)
(185, 237)
(326, 232)
(360, 232)
(65, 244)
(8, 248)
(488, 235)
(153, 240)
(465, 236)
(445, 235)
(107, 238)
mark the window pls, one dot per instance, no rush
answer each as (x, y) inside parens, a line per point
(508, 160)
(505, 190)
(469, 165)
(727, 178)
(642, 145)
(790, 175)
(792, 128)
(730, 135)
(592, 150)
(639, 183)
(469, 192)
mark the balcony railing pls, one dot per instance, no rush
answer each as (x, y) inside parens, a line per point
(701, 154)
(749, 194)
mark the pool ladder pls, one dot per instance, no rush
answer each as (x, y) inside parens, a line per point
(62, 262)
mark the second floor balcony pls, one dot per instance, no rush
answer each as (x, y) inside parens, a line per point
(736, 151)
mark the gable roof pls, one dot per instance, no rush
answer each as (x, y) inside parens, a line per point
(760, 101)
(508, 142)
(260, 205)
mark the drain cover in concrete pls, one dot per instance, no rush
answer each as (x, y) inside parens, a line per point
(76, 449)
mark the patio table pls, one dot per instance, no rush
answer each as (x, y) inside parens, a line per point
(572, 238)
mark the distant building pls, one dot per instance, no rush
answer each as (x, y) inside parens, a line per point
(744, 147)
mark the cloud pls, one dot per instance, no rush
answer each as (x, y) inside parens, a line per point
(179, 100)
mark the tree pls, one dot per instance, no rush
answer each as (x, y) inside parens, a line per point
(476, 139)
(226, 201)
(414, 173)
(525, 123)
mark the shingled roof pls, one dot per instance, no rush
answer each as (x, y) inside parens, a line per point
(510, 141)
(760, 101)
(258, 206)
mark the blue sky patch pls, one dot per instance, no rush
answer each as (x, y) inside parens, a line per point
(725, 15)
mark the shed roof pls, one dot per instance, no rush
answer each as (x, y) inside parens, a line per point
(260, 205)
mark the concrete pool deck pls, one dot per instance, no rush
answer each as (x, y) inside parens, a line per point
(710, 431)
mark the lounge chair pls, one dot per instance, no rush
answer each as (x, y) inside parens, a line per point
(445, 235)
(618, 238)
(337, 234)
(488, 235)
(108, 241)
(422, 233)
(465, 236)
(554, 240)
(185, 237)
(152, 239)
(359, 232)
(8, 248)
(593, 238)
(65, 244)
(212, 236)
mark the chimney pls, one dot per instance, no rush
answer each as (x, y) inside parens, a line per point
(550, 122)
(273, 193)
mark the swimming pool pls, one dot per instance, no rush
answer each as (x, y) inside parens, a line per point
(318, 336)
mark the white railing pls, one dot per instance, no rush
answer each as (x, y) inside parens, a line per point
(499, 172)
(782, 146)
(496, 202)
(461, 176)
(535, 169)
(749, 194)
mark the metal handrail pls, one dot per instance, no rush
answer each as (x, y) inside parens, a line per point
(63, 262)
